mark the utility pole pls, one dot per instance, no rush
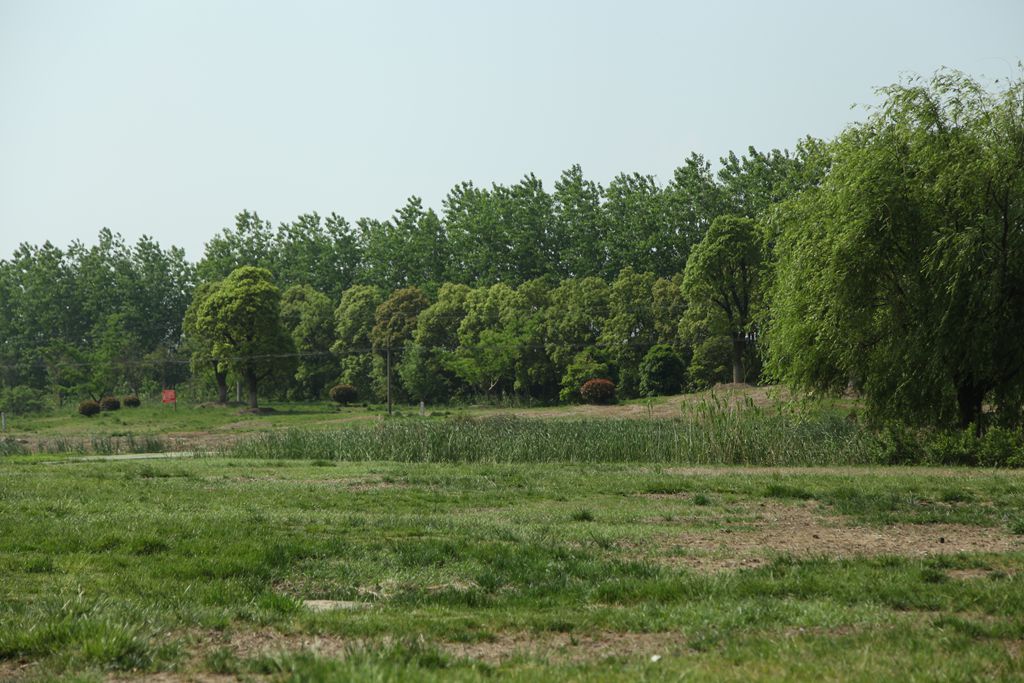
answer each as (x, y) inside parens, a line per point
(389, 374)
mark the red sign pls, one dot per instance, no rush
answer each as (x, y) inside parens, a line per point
(169, 396)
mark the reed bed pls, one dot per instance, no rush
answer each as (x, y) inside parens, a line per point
(747, 437)
(95, 445)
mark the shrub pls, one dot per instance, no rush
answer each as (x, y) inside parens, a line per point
(110, 403)
(88, 408)
(1001, 447)
(953, 448)
(598, 391)
(661, 371)
(344, 394)
(132, 401)
(21, 400)
(899, 445)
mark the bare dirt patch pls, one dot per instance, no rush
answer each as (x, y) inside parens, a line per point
(567, 647)
(250, 644)
(554, 647)
(803, 531)
(332, 605)
(242, 425)
(175, 677)
(375, 485)
(14, 670)
(971, 574)
(849, 470)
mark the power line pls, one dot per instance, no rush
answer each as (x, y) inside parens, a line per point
(351, 351)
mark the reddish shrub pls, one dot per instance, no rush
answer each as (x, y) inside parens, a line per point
(598, 391)
(110, 403)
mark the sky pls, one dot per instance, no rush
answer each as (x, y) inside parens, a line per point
(166, 118)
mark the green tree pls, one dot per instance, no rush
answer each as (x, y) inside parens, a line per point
(693, 199)
(410, 249)
(476, 245)
(662, 371)
(668, 306)
(324, 254)
(307, 315)
(630, 329)
(199, 342)
(640, 235)
(424, 370)
(490, 339)
(902, 273)
(241, 318)
(394, 325)
(723, 286)
(579, 225)
(574, 321)
(249, 243)
(354, 319)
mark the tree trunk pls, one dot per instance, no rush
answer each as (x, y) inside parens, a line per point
(222, 385)
(250, 386)
(739, 345)
(969, 397)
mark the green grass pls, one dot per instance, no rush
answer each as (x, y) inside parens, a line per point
(155, 419)
(527, 571)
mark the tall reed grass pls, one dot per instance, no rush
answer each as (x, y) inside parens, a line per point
(95, 445)
(747, 437)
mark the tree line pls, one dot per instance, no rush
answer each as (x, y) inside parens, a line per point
(889, 260)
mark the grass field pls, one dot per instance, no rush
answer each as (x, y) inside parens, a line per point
(202, 569)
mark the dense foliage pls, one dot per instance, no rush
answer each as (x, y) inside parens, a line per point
(903, 273)
(889, 261)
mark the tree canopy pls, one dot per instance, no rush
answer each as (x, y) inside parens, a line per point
(903, 273)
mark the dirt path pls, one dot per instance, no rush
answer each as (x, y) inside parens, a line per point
(123, 456)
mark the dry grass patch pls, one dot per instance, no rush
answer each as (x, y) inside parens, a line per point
(804, 531)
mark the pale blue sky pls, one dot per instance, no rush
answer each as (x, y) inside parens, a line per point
(167, 118)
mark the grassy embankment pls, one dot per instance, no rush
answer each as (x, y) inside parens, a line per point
(530, 570)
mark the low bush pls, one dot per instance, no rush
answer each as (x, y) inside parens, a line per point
(88, 408)
(997, 447)
(598, 391)
(344, 394)
(952, 448)
(132, 401)
(21, 400)
(110, 403)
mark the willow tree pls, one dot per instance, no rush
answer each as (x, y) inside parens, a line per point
(903, 273)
